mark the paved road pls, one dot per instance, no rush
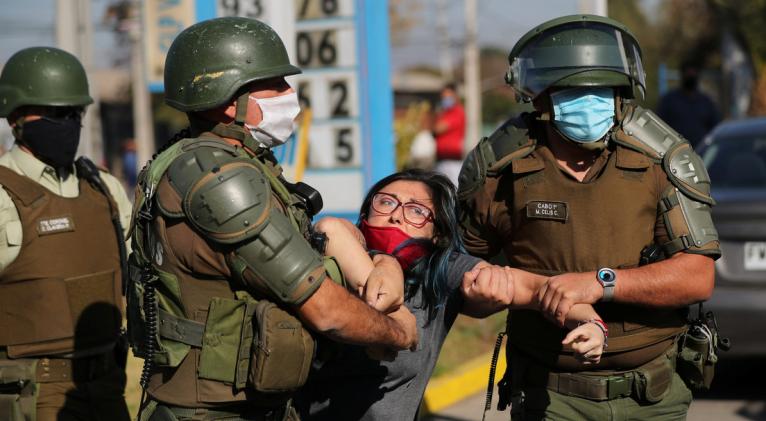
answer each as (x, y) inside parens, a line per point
(737, 395)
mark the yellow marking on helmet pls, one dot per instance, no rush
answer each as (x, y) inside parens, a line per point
(215, 75)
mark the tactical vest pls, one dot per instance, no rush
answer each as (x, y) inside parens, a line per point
(62, 294)
(206, 324)
(560, 225)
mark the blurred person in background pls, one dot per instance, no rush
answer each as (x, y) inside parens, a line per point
(129, 161)
(62, 254)
(687, 109)
(449, 131)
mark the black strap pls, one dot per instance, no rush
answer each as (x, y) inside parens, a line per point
(181, 330)
(88, 171)
(492, 369)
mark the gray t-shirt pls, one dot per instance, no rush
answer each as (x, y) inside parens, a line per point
(351, 386)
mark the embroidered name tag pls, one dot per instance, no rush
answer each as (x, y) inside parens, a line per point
(55, 225)
(547, 210)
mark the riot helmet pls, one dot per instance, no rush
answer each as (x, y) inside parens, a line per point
(574, 51)
(43, 76)
(209, 62)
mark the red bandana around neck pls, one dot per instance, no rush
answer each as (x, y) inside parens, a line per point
(387, 239)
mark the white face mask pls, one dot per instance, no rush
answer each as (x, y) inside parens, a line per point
(276, 126)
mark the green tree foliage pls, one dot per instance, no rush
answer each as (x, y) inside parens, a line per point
(691, 30)
(629, 13)
(747, 19)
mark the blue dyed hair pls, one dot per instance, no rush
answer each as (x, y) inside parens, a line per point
(429, 272)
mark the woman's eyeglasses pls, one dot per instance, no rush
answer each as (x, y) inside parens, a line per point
(414, 214)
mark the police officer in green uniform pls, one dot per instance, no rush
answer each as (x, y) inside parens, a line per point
(576, 190)
(224, 283)
(61, 234)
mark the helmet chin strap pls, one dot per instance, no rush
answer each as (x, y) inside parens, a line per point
(18, 128)
(235, 130)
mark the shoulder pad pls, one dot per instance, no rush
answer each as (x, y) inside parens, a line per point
(493, 154)
(687, 172)
(195, 159)
(230, 203)
(643, 131)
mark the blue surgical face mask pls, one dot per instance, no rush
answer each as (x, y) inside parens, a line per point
(583, 114)
(448, 102)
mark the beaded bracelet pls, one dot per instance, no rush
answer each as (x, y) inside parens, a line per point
(601, 325)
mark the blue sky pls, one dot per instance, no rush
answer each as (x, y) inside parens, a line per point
(501, 22)
(31, 22)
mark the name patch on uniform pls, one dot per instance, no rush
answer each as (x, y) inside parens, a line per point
(547, 210)
(55, 225)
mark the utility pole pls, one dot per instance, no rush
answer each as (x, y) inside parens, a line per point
(142, 104)
(472, 82)
(445, 47)
(593, 7)
(74, 33)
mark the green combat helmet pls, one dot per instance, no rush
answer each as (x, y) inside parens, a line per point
(576, 50)
(209, 62)
(43, 76)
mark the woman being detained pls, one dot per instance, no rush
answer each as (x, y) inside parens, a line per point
(412, 216)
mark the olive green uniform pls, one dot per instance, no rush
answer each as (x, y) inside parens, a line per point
(645, 187)
(199, 274)
(546, 222)
(220, 253)
(60, 271)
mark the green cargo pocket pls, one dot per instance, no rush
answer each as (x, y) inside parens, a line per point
(220, 355)
(653, 379)
(282, 350)
(18, 390)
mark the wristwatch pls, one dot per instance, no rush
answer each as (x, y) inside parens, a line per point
(607, 278)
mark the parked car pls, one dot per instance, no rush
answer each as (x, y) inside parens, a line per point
(735, 156)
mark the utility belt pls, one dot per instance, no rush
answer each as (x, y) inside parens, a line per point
(85, 369)
(648, 383)
(19, 379)
(52, 369)
(156, 411)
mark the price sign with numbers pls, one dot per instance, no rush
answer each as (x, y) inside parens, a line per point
(342, 46)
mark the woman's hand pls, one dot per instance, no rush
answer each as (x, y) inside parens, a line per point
(588, 342)
(384, 288)
(487, 289)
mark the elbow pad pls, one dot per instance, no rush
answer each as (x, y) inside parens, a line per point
(232, 205)
(686, 205)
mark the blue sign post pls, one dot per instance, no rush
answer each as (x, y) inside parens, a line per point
(342, 46)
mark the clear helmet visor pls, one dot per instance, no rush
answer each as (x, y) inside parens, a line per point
(576, 48)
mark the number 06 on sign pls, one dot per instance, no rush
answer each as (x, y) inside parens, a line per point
(342, 46)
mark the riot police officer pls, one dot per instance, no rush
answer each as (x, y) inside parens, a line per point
(576, 190)
(224, 282)
(61, 234)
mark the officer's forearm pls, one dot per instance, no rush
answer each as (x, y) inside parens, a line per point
(580, 313)
(334, 312)
(526, 285)
(678, 281)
